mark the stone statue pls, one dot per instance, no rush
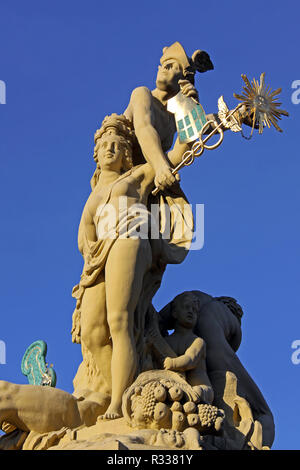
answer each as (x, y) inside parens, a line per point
(146, 130)
(141, 385)
(189, 348)
(107, 297)
(154, 125)
(160, 401)
(219, 324)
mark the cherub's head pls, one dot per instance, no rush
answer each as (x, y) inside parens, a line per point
(113, 145)
(184, 310)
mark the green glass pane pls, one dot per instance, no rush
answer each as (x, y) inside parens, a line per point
(180, 124)
(187, 121)
(194, 114)
(190, 131)
(198, 125)
(182, 135)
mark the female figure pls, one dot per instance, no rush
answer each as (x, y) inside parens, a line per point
(115, 261)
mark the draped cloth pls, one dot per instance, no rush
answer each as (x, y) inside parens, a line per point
(170, 231)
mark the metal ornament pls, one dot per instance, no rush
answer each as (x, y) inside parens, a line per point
(34, 365)
(189, 116)
(200, 143)
(228, 121)
(258, 101)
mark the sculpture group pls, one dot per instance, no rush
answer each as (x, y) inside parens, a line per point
(171, 378)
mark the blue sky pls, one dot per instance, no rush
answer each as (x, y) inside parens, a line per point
(68, 64)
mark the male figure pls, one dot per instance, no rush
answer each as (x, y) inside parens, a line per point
(154, 126)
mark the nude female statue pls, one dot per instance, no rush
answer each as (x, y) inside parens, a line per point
(115, 266)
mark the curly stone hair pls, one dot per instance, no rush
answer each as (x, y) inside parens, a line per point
(123, 128)
(233, 306)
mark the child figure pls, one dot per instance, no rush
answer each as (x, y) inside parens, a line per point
(190, 349)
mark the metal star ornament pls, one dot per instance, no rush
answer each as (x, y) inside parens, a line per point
(261, 103)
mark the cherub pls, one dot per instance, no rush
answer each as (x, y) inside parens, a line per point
(191, 349)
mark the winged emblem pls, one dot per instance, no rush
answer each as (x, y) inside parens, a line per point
(230, 122)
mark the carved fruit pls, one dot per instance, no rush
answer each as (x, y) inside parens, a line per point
(219, 423)
(160, 393)
(207, 415)
(138, 416)
(175, 393)
(190, 407)
(193, 419)
(178, 421)
(176, 406)
(162, 413)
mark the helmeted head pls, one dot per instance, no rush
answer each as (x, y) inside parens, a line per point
(176, 65)
(113, 145)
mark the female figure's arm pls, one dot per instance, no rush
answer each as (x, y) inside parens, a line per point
(86, 231)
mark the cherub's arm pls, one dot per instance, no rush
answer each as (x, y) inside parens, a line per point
(190, 359)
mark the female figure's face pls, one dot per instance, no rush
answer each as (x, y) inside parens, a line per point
(110, 152)
(168, 75)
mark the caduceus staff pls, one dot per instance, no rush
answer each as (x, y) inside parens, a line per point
(260, 104)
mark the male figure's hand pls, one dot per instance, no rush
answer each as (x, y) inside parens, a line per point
(188, 89)
(164, 177)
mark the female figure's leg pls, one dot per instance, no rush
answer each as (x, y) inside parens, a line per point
(127, 263)
(95, 334)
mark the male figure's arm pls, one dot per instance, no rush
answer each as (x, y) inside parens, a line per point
(148, 137)
(175, 155)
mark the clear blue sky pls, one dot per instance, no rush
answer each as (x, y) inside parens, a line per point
(68, 64)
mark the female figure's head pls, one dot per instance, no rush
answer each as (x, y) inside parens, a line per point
(113, 146)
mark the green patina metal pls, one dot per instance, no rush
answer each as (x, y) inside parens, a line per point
(189, 116)
(34, 365)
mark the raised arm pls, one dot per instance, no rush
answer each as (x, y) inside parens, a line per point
(147, 136)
